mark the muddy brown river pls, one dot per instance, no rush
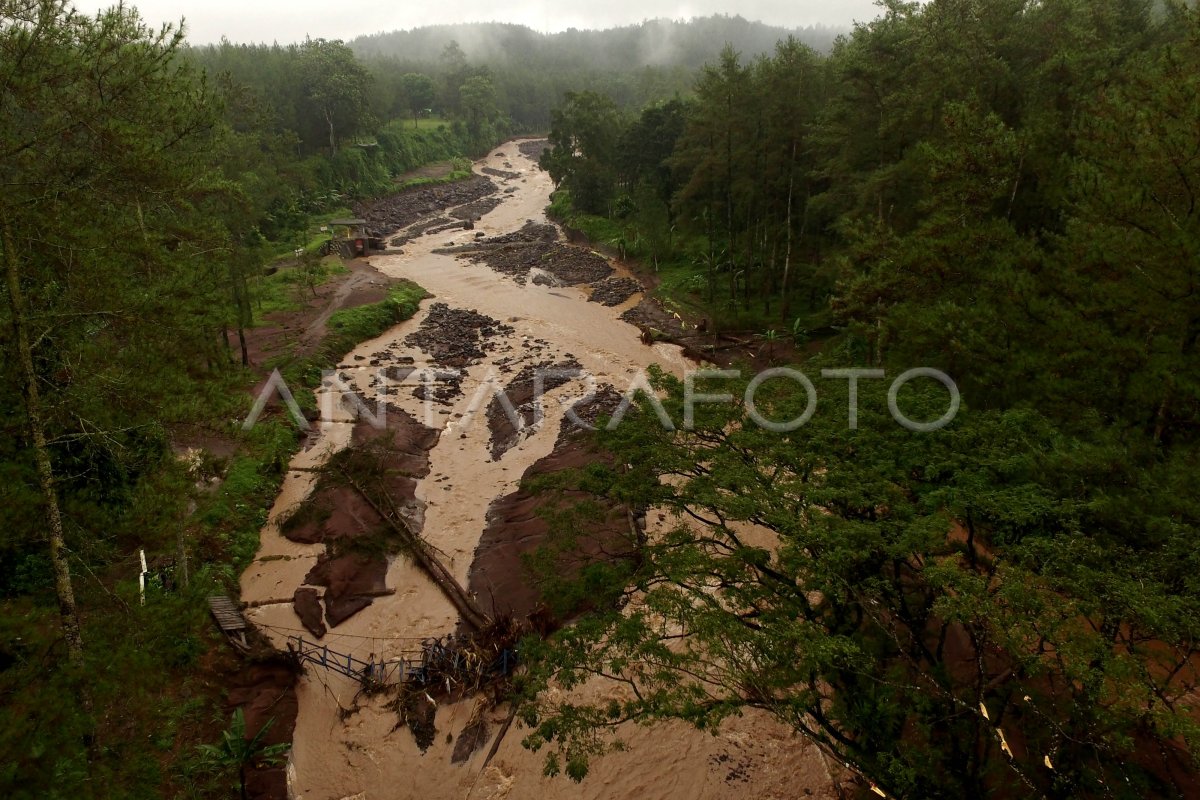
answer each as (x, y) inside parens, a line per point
(365, 755)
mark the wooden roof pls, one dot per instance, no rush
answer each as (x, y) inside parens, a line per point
(228, 615)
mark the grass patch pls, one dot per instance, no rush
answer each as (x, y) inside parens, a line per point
(346, 329)
(286, 289)
(286, 250)
(350, 326)
(231, 517)
(428, 124)
(460, 171)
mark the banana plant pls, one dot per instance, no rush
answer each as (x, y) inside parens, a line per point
(237, 751)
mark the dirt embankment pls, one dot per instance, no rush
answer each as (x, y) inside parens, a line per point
(358, 544)
(264, 687)
(520, 523)
(299, 332)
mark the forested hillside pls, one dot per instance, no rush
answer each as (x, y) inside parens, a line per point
(1005, 191)
(635, 65)
(660, 42)
(151, 193)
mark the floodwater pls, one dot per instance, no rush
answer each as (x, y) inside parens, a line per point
(366, 755)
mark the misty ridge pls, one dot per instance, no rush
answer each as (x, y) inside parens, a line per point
(687, 44)
(530, 72)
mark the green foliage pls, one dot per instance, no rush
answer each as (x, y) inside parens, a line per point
(724, 179)
(288, 288)
(238, 751)
(420, 92)
(136, 748)
(345, 330)
(142, 200)
(336, 87)
(459, 169)
(583, 154)
(350, 326)
(231, 517)
(635, 64)
(1006, 191)
(359, 171)
(896, 562)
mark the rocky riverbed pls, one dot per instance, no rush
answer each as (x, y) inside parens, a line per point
(511, 297)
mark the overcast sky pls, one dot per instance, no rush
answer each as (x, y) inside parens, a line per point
(292, 20)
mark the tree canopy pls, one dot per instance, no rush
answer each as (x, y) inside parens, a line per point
(1006, 192)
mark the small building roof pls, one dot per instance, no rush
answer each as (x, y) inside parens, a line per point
(348, 222)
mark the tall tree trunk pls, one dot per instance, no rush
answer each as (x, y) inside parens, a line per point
(332, 135)
(785, 304)
(730, 241)
(41, 453)
(242, 343)
(241, 302)
(181, 552)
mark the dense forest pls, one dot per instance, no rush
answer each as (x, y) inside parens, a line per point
(1006, 191)
(635, 65)
(149, 191)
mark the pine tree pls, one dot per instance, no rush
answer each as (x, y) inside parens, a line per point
(102, 135)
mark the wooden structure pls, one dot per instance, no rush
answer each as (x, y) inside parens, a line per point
(350, 237)
(229, 618)
(434, 662)
(371, 671)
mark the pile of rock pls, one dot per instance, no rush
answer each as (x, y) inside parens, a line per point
(455, 337)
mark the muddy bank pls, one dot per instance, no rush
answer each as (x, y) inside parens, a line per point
(519, 524)
(264, 688)
(649, 315)
(698, 343)
(359, 543)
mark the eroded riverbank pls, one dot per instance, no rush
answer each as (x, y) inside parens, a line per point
(525, 317)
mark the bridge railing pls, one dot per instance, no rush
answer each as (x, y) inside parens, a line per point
(434, 661)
